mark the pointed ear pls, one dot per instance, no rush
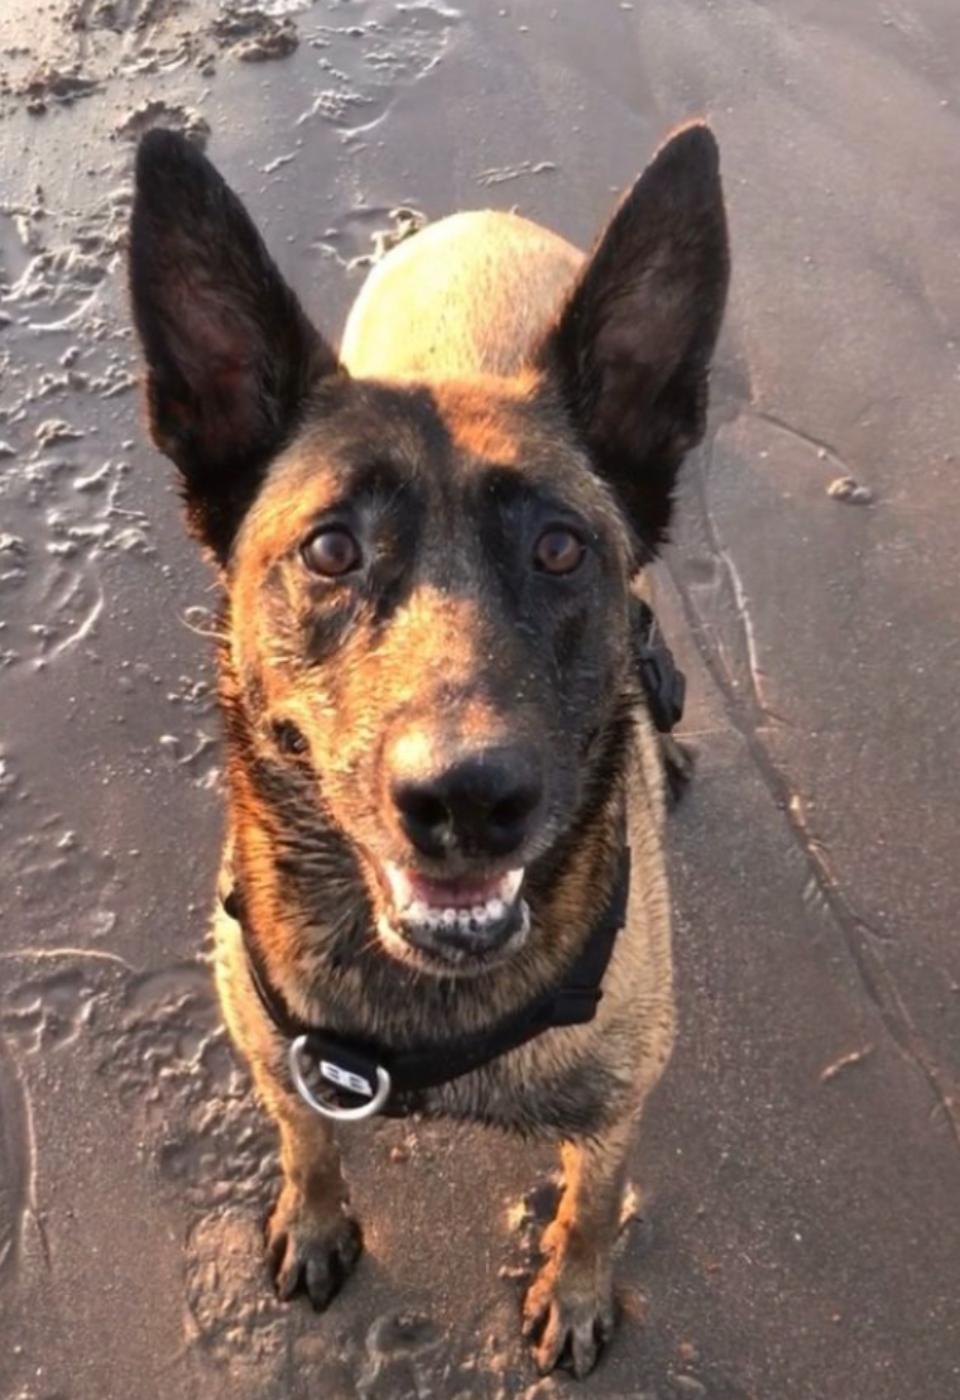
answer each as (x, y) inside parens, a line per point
(631, 350)
(230, 355)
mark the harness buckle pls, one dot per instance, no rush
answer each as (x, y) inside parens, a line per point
(360, 1078)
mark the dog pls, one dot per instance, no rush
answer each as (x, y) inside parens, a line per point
(443, 884)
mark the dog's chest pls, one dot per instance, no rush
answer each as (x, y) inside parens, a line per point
(565, 1084)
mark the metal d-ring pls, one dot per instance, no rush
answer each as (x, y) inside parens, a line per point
(327, 1110)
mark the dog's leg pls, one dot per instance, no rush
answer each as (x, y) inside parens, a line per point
(568, 1310)
(313, 1241)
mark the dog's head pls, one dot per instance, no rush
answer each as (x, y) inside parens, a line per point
(428, 582)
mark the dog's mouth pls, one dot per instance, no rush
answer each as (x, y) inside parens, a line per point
(462, 923)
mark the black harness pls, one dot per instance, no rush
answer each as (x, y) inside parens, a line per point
(664, 684)
(359, 1078)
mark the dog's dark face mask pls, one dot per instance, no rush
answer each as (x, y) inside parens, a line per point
(428, 583)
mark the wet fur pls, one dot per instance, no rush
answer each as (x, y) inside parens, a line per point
(539, 382)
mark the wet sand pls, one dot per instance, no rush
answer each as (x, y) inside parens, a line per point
(797, 1227)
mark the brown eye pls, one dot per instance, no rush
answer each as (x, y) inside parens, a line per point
(331, 552)
(559, 551)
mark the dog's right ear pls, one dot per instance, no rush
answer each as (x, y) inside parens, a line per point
(230, 354)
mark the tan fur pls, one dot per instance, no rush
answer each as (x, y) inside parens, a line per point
(467, 296)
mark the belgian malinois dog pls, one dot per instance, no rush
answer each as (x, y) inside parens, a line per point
(439, 760)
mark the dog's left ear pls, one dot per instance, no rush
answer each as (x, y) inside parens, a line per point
(631, 350)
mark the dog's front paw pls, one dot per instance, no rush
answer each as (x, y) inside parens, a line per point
(568, 1315)
(311, 1252)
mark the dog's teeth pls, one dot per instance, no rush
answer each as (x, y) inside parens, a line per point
(510, 884)
(401, 886)
(416, 910)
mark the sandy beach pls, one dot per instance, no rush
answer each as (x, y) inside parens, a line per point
(793, 1228)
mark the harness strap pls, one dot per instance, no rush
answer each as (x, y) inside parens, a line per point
(664, 684)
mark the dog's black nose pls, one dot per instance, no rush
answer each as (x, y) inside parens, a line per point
(482, 804)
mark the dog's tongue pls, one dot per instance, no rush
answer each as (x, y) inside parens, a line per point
(455, 894)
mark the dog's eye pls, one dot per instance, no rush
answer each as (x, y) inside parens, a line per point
(331, 551)
(559, 551)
